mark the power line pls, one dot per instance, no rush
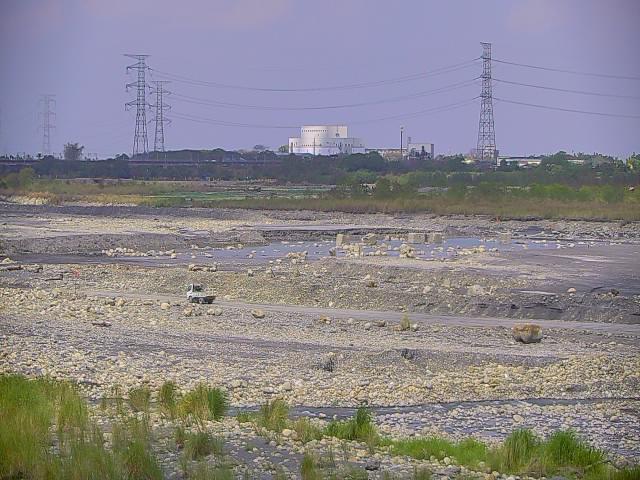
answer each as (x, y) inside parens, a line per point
(212, 121)
(486, 146)
(48, 103)
(140, 141)
(566, 90)
(427, 111)
(406, 78)
(547, 107)
(224, 123)
(573, 72)
(215, 103)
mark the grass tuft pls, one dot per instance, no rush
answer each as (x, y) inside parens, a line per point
(273, 415)
(203, 471)
(309, 468)
(201, 444)
(140, 399)
(306, 430)
(360, 428)
(405, 323)
(168, 398)
(204, 403)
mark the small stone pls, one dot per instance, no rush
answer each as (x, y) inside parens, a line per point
(571, 290)
(257, 313)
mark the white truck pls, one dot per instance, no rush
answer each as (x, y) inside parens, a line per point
(195, 294)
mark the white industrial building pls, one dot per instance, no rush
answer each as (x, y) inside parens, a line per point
(325, 140)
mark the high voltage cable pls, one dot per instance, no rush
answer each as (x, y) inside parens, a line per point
(566, 90)
(548, 107)
(442, 108)
(390, 81)
(225, 123)
(216, 103)
(573, 72)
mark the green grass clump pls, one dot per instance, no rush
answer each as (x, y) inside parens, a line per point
(522, 452)
(201, 444)
(632, 473)
(203, 471)
(421, 474)
(139, 463)
(518, 450)
(273, 416)
(306, 430)
(360, 428)
(309, 469)
(467, 452)
(564, 451)
(204, 403)
(28, 411)
(140, 399)
(168, 398)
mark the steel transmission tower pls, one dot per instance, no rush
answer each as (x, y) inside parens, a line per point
(161, 107)
(486, 148)
(48, 102)
(140, 141)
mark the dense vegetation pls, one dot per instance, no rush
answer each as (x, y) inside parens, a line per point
(602, 188)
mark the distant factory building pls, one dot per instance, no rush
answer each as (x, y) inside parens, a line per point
(325, 140)
(420, 150)
(423, 151)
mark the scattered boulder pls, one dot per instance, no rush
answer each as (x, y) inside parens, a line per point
(165, 306)
(370, 239)
(475, 290)
(435, 237)
(342, 239)
(571, 290)
(407, 251)
(415, 237)
(216, 311)
(101, 323)
(527, 333)
(257, 313)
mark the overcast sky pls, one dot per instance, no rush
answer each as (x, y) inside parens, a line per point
(74, 49)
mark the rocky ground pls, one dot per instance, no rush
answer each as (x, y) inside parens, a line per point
(100, 300)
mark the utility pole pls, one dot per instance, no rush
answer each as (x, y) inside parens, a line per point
(140, 142)
(401, 133)
(486, 148)
(48, 103)
(161, 107)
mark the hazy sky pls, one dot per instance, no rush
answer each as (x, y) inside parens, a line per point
(74, 49)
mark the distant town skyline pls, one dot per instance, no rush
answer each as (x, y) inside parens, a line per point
(248, 72)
